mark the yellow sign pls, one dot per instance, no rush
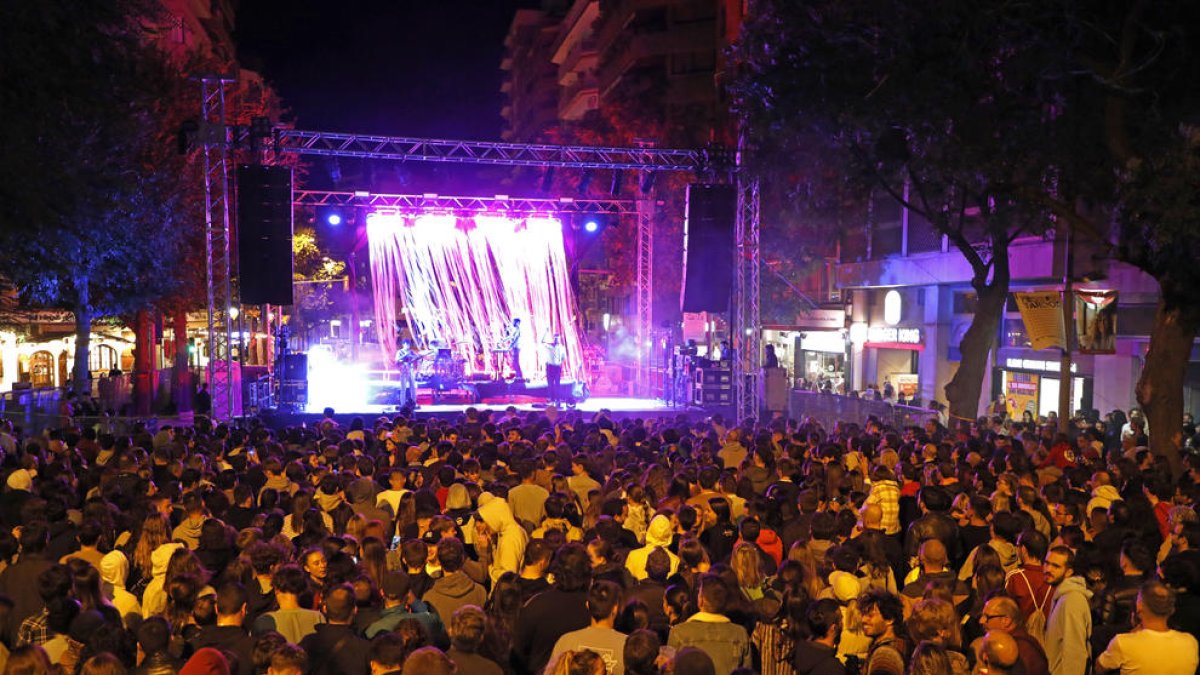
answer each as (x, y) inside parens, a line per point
(1042, 313)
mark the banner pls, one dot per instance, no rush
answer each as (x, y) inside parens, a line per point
(1042, 313)
(1021, 393)
(1096, 321)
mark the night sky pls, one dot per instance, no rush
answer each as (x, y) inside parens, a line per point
(425, 68)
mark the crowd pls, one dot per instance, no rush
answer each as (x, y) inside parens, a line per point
(558, 542)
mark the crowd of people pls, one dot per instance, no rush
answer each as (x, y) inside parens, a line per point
(519, 543)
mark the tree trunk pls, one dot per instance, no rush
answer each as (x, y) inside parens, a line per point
(181, 376)
(1160, 386)
(964, 390)
(143, 363)
(80, 376)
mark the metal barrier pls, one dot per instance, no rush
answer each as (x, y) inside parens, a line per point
(829, 409)
(36, 410)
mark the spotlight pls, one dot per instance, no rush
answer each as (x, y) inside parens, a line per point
(591, 225)
(334, 218)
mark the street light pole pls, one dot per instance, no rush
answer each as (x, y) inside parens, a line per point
(1068, 310)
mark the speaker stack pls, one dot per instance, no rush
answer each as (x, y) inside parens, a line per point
(708, 248)
(713, 385)
(264, 234)
(293, 387)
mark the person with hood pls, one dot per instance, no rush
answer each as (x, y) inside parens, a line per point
(154, 599)
(1069, 626)
(1004, 531)
(658, 535)
(1104, 493)
(454, 589)
(189, 530)
(114, 570)
(362, 500)
(508, 547)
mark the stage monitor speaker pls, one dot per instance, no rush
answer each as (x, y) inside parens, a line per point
(264, 220)
(295, 367)
(708, 248)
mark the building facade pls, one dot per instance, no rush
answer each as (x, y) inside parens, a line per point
(909, 301)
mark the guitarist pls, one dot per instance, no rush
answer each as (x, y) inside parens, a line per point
(406, 363)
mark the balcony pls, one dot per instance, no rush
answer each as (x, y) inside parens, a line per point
(578, 99)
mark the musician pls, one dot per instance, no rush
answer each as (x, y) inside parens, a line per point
(512, 339)
(406, 362)
(555, 355)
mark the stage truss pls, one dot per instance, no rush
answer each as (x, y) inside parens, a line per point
(746, 322)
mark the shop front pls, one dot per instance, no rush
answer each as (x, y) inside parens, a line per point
(813, 350)
(892, 356)
(1031, 382)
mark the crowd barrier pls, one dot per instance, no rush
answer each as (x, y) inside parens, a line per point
(829, 409)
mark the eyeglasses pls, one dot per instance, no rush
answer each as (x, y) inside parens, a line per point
(989, 617)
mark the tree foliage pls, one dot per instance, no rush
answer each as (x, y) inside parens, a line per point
(92, 194)
(944, 107)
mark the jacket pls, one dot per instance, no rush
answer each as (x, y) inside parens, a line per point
(1102, 498)
(159, 663)
(726, 643)
(546, 617)
(1069, 628)
(335, 649)
(19, 583)
(934, 525)
(511, 538)
(232, 639)
(154, 599)
(453, 591)
(813, 658)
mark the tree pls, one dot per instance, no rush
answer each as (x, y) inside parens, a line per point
(1132, 178)
(90, 188)
(941, 106)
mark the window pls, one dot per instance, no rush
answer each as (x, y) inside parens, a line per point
(102, 359)
(41, 369)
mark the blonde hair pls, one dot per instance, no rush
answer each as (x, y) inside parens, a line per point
(156, 531)
(747, 565)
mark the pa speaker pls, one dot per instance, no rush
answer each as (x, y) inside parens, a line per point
(708, 248)
(295, 367)
(264, 221)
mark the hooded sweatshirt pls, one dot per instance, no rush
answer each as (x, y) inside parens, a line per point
(453, 591)
(1006, 551)
(658, 535)
(511, 538)
(114, 569)
(1069, 628)
(154, 599)
(1103, 497)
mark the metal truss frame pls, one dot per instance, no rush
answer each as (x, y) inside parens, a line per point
(214, 135)
(483, 152)
(747, 324)
(644, 292)
(497, 204)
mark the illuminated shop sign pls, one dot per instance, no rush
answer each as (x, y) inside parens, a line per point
(894, 335)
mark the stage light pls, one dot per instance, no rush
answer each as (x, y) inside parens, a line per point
(334, 218)
(591, 225)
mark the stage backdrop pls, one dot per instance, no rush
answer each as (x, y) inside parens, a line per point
(463, 280)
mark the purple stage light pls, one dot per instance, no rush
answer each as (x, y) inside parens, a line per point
(334, 219)
(591, 225)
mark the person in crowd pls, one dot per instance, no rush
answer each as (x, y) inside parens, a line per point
(1069, 625)
(712, 546)
(603, 603)
(1152, 646)
(710, 629)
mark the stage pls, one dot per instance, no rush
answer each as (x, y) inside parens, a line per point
(619, 407)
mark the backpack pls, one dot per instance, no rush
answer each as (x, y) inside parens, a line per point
(1035, 623)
